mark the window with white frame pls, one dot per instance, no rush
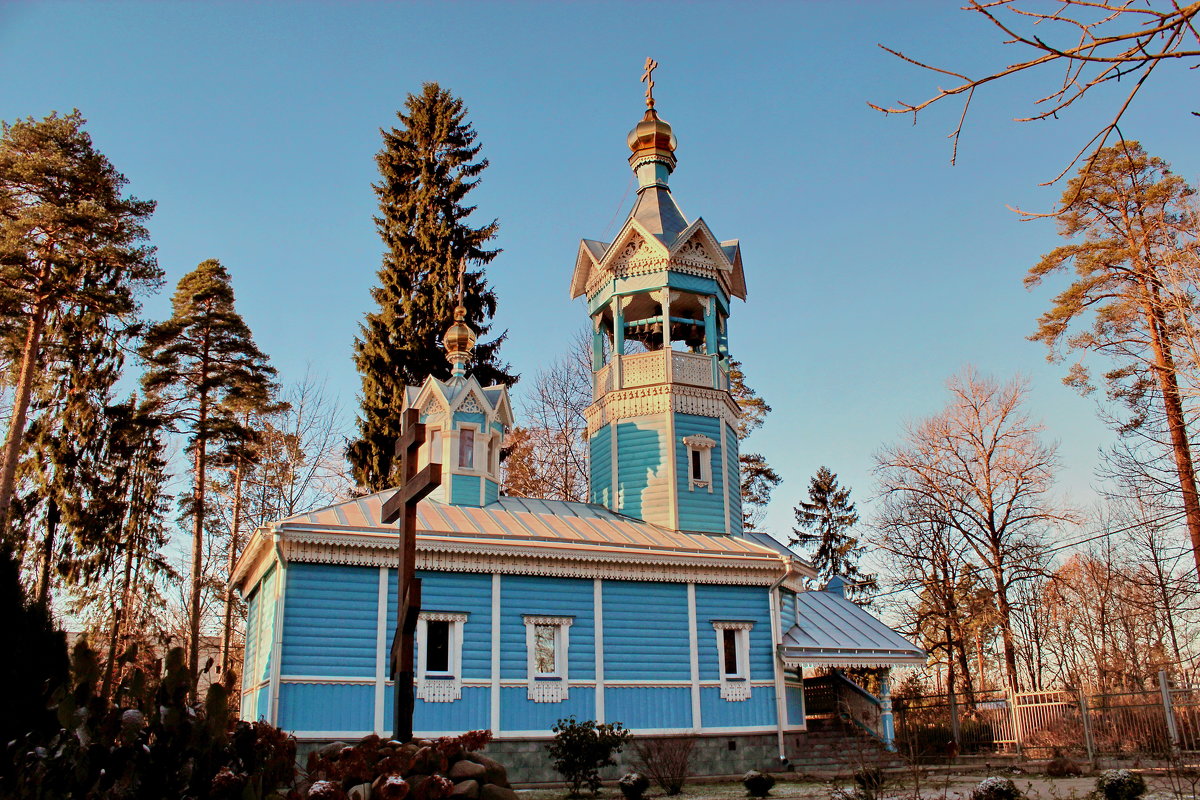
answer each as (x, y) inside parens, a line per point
(493, 454)
(699, 461)
(546, 641)
(439, 655)
(733, 657)
(466, 448)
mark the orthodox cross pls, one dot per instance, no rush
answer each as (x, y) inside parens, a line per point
(402, 506)
(648, 79)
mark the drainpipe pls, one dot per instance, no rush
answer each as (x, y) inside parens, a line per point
(776, 641)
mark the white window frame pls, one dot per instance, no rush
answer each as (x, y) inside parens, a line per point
(433, 446)
(700, 445)
(440, 687)
(475, 437)
(735, 686)
(550, 687)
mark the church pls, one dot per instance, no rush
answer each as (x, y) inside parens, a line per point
(649, 605)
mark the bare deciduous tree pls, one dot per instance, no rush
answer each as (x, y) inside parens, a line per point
(982, 466)
(1093, 42)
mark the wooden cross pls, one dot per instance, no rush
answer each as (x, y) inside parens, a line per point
(402, 506)
(648, 79)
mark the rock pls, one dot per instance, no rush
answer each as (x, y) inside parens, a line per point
(390, 787)
(494, 792)
(360, 792)
(467, 771)
(332, 750)
(428, 761)
(496, 773)
(467, 790)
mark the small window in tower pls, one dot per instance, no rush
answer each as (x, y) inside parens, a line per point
(466, 448)
(491, 458)
(435, 446)
(437, 646)
(699, 454)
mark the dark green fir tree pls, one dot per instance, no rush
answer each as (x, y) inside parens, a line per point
(200, 365)
(823, 525)
(428, 166)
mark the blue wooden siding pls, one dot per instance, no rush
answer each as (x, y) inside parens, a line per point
(455, 591)
(471, 418)
(734, 490)
(643, 707)
(491, 491)
(734, 603)
(642, 647)
(265, 629)
(699, 509)
(758, 711)
(326, 707)
(262, 702)
(519, 713)
(643, 482)
(600, 466)
(329, 624)
(464, 489)
(795, 704)
(471, 712)
(253, 609)
(524, 594)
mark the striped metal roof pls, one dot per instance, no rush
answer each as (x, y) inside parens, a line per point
(532, 524)
(832, 630)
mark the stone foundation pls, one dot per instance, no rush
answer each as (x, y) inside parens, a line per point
(528, 762)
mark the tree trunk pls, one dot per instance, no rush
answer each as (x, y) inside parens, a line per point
(1006, 634)
(114, 636)
(235, 529)
(43, 588)
(1181, 448)
(16, 427)
(199, 477)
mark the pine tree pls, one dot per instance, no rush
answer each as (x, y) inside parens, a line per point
(69, 239)
(428, 166)
(201, 364)
(824, 524)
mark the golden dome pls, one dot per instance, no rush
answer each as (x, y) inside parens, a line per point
(652, 136)
(459, 339)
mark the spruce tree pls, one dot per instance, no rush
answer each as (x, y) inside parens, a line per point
(69, 241)
(428, 166)
(202, 364)
(824, 524)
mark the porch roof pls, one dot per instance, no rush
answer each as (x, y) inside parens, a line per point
(834, 632)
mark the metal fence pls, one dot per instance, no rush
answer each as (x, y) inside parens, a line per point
(1160, 722)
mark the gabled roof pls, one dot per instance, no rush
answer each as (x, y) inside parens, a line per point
(833, 631)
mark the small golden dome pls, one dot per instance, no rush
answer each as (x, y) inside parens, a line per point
(459, 339)
(652, 135)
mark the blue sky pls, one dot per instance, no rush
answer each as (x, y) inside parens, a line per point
(875, 270)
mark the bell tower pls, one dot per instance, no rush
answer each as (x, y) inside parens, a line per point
(662, 427)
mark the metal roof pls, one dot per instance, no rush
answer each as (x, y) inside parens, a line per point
(534, 525)
(657, 211)
(833, 631)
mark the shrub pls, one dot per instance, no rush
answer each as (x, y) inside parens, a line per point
(1120, 784)
(666, 761)
(758, 784)
(870, 781)
(996, 789)
(633, 785)
(580, 749)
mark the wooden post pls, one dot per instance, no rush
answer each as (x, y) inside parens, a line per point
(1085, 715)
(1164, 687)
(402, 506)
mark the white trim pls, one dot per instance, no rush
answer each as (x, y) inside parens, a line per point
(272, 715)
(725, 474)
(775, 600)
(547, 687)
(694, 656)
(381, 650)
(328, 679)
(494, 678)
(700, 445)
(598, 612)
(612, 464)
(672, 467)
(735, 686)
(540, 735)
(440, 687)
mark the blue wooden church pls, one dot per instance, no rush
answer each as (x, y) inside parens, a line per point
(650, 605)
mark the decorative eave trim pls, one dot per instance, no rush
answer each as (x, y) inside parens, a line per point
(849, 659)
(255, 560)
(509, 558)
(643, 401)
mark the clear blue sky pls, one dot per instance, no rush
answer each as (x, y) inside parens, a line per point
(875, 270)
